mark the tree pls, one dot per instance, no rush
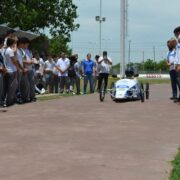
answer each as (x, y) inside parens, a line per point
(57, 45)
(40, 44)
(150, 65)
(162, 66)
(34, 15)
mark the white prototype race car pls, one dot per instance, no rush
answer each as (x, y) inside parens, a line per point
(129, 89)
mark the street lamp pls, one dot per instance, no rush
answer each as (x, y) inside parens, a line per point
(100, 19)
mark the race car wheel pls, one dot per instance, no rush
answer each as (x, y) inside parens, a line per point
(147, 90)
(102, 92)
(112, 90)
(142, 92)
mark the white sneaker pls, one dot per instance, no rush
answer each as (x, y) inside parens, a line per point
(43, 91)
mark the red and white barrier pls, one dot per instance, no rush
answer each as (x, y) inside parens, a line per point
(154, 76)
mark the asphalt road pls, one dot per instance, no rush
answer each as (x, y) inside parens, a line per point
(81, 138)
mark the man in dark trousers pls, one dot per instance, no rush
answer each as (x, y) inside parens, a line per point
(105, 63)
(2, 70)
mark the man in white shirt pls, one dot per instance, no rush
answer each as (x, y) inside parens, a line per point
(29, 65)
(12, 68)
(105, 63)
(171, 58)
(48, 71)
(55, 76)
(62, 65)
(177, 61)
(23, 71)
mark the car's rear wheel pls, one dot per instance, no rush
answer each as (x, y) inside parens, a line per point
(112, 90)
(147, 90)
(102, 92)
(141, 92)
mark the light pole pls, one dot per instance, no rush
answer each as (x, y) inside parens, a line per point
(143, 60)
(123, 37)
(100, 19)
(154, 56)
(129, 53)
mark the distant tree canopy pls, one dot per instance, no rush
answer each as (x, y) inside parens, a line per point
(148, 66)
(34, 15)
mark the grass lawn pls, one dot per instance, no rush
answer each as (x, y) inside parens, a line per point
(175, 174)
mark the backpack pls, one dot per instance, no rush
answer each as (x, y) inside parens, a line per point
(71, 71)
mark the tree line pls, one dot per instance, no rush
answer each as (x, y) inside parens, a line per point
(148, 66)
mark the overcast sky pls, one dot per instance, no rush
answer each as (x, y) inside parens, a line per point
(150, 23)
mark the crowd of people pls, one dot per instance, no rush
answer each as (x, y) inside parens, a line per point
(173, 61)
(23, 73)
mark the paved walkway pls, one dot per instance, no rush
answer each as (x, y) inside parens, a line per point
(79, 138)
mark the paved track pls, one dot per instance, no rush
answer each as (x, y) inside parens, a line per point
(79, 138)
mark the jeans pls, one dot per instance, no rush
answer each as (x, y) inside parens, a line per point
(75, 80)
(1, 87)
(101, 77)
(173, 83)
(88, 77)
(178, 79)
(56, 83)
(49, 82)
(11, 88)
(30, 76)
(25, 88)
(96, 78)
(64, 80)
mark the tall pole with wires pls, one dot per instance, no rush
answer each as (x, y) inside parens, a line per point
(100, 19)
(154, 57)
(129, 53)
(123, 37)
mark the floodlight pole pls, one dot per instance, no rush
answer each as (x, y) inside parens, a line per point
(123, 38)
(100, 24)
(100, 19)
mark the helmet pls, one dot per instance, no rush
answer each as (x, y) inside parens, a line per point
(129, 72)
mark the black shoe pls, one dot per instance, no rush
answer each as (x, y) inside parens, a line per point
(173, 98)
(34, 99)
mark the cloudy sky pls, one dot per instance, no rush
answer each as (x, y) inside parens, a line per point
(150, 24)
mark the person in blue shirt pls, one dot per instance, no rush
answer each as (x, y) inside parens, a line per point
(87, 72)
